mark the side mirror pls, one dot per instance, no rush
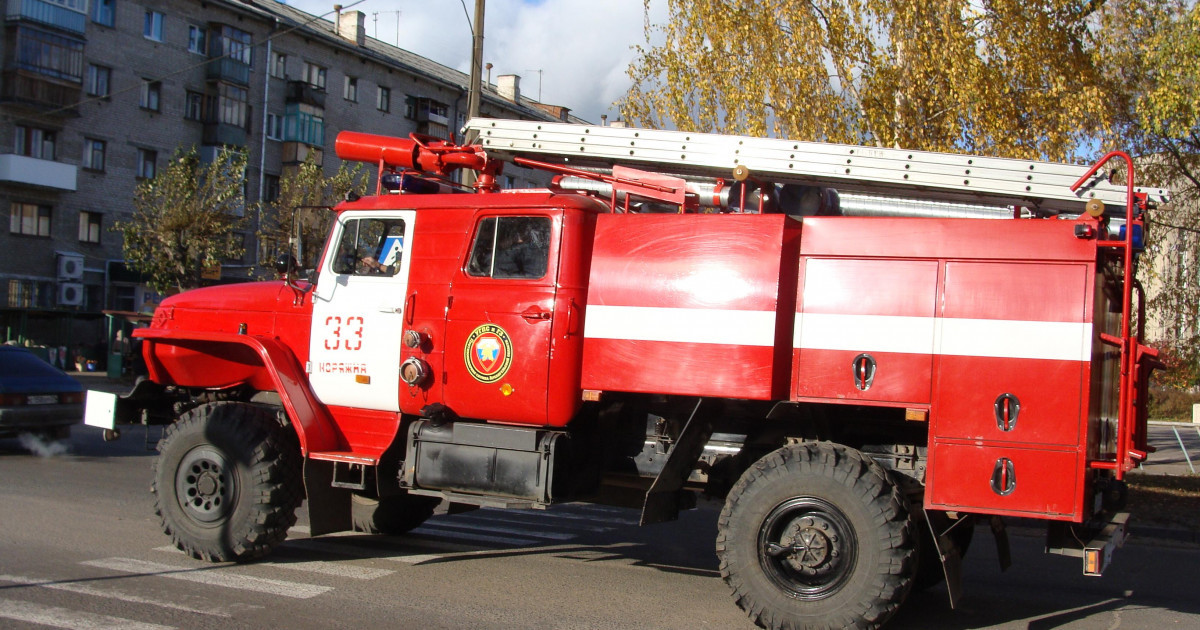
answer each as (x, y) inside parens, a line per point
(286, 264)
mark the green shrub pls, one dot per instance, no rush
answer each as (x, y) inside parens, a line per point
(1168, 403)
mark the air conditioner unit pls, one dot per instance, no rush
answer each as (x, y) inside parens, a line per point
(70, 267)
(70, 294)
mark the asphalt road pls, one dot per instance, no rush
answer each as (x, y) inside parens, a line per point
(80, 547)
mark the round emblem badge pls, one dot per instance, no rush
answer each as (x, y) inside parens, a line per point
(488, 353)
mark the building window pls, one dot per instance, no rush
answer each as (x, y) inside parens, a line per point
(34, 142)
(194, 106)
(383, 99)
(147, 163)
(314, 75)
(235, 44)
(89, 227)
(410, 107)
(152, 26)
(304, 123)
(197, 40)
(104, 12)
(29, 219)
(278, 65)
(48, 54)
(97, 80)
(231, 106)
(350, 91)
(93, 154)
(274, 127)
(151, 93)
(270, 191)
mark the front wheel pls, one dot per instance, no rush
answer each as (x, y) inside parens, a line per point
(816, 535)
(227, 481)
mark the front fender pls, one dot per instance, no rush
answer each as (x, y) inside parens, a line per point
(211, 359)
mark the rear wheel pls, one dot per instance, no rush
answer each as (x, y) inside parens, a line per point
(816, 535)
(392, 515)
(227, 481)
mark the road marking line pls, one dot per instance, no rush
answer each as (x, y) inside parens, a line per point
(215, 575)
(315, 566)
(54, 616)
(83, 589)
(434, 530)
(531, 520)
(484, 527)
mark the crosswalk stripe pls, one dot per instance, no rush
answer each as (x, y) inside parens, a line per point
(514, 518)
(436, 530)
(380, 554)
(351, 571)
(214, 575)
(56, 617)
(84, 589)
(486, 528)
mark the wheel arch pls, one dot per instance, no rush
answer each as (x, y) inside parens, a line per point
(217, 360)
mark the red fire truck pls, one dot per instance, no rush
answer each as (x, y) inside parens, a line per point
(835, 340)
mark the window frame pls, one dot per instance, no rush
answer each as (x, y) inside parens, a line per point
(100, 15)
(35, 142)
(197, 44)
(350, 88)
(476, 258)
(41, 217)
(278, 65)
(150, 95)
(152, 25)
(89, 154)
(383, 99)
(274, 130)
(90, 226)
(315, 75)
(147, 157)
(97, 74)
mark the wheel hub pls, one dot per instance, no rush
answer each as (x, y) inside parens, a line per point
(807, 547)
(203, 485)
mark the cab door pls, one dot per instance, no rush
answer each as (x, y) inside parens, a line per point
(501, 318)
(354, 348)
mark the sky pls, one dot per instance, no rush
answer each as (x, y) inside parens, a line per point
(581, 47)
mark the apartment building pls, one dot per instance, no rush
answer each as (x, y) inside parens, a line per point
(96, 95)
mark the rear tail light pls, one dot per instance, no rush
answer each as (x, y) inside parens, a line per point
(72, 397)
(10, 400)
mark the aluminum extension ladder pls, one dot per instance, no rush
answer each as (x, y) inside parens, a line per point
(1043, 186)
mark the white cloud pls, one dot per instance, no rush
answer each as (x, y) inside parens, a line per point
(582, 47)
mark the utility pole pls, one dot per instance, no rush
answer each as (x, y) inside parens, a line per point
(475, 93)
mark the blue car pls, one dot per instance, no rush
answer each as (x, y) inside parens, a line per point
(36, 397)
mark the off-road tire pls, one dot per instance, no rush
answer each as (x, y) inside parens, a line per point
(227, 481)
(859, 561)
(390, 516)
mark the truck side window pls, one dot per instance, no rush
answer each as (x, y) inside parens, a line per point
(511, 247)
(370, 247)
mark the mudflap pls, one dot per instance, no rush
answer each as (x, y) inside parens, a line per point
(328, 507)
(1003, 549)
(662, 502)
(939, 525)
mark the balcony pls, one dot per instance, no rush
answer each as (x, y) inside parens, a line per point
(55, 13)
(302, 127)
(224, 134)
(18, 169)
(229, 70)
(39, 92)
(304, 92)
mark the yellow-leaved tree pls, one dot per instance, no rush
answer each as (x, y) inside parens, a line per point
(1003, 77)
